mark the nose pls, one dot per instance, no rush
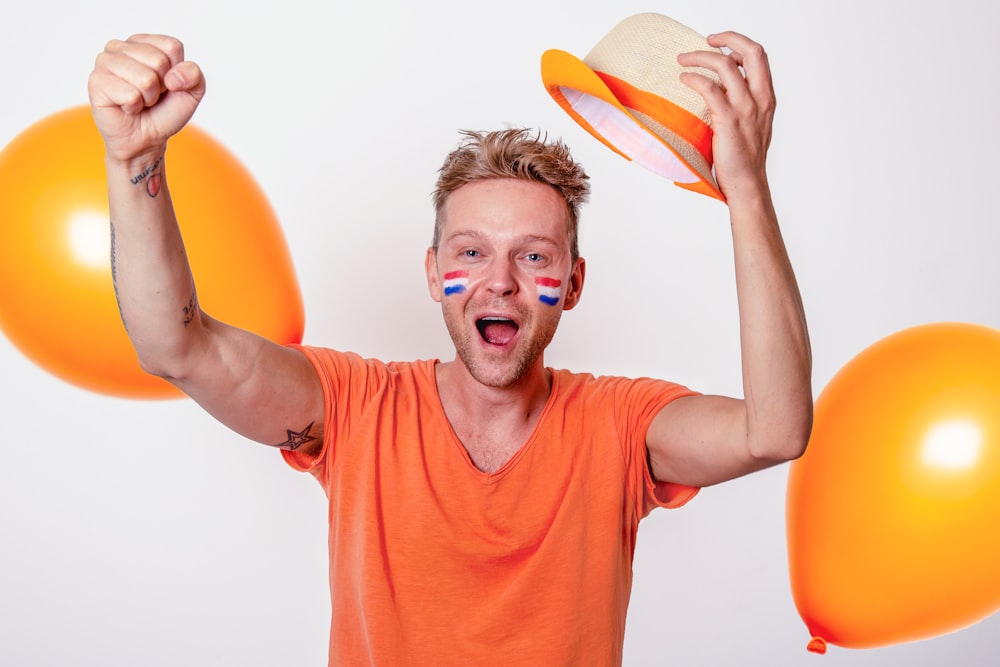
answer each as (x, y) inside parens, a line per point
(501, 280)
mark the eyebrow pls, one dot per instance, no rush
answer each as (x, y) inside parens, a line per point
(478, 236)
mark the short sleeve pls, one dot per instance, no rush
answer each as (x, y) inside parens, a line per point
(302, 461)
(666, 494)
(348, 382)
(639, 401)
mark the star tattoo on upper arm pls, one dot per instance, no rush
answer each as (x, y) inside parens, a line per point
(297, 438)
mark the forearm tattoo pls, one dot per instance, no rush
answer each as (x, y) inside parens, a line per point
(298, 438)
(114, 276)
(152, 176)
(189, 310)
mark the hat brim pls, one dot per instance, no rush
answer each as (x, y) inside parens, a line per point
(587, 97)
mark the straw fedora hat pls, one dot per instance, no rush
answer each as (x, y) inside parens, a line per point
(628, 94)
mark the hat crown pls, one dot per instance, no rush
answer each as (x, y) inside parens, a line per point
(627, 93)
(643, 50)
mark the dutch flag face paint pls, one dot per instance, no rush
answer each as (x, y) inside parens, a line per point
(549, 290)
(455, 282)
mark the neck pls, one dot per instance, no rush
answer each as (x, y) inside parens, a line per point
(492, 423)
(526, 396)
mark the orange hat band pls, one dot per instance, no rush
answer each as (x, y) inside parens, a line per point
(682, 122)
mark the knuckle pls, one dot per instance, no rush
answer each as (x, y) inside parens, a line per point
(147, 80)
(132, 97)
(174, 48)
(160, 62)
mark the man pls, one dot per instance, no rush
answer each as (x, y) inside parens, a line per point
(482, 510)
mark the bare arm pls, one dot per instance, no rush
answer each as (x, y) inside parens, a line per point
(703, 440)
(142, 92)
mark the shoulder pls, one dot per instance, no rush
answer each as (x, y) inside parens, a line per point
(330, 358)
(615, 388)
(353, 369)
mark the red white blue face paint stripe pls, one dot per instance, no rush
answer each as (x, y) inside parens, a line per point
(455, 282)
(549, 290)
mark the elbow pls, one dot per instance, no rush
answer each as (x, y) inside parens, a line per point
(162, 361)
(797, 438)
(160, 367)
(785, 441)
(798, 441)
(155, 367)
(170, 355)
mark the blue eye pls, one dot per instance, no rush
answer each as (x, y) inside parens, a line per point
(534, 257)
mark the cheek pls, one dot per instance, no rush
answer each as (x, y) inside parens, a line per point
(455, 282)
(549, 290)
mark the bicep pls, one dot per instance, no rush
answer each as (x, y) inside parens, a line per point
(700, 441)
(266, 392)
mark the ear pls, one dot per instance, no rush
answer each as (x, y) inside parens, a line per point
(575, 284)
(433, 281)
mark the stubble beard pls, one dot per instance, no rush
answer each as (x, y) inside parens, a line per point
(498, 374)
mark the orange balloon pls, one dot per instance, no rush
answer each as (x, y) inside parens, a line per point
(58, 304)
(893, 512)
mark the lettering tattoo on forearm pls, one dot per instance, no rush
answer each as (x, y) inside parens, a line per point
(298, 438)
(152, 176)
(114, 276)
(190, 309)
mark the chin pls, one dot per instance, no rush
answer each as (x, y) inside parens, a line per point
(500, 373)
(501, 370)
(492, 376)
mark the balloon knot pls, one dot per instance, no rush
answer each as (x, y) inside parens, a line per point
(817, 645)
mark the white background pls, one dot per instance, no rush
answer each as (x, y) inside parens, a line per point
(143, 533)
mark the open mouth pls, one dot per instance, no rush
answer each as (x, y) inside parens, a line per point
(497, 330)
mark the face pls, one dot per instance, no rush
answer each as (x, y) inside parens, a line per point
(503, 275)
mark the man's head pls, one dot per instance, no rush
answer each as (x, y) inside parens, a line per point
(513, 153)
(504, 261)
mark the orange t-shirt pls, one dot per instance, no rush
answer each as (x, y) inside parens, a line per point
(434, 562)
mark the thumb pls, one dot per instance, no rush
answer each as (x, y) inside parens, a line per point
(185, 87)
(185, 77)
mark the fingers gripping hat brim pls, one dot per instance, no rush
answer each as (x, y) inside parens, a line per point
(638, 124)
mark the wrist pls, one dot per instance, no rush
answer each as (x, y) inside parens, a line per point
(751, 190)
(133, 163)
(141, 171)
